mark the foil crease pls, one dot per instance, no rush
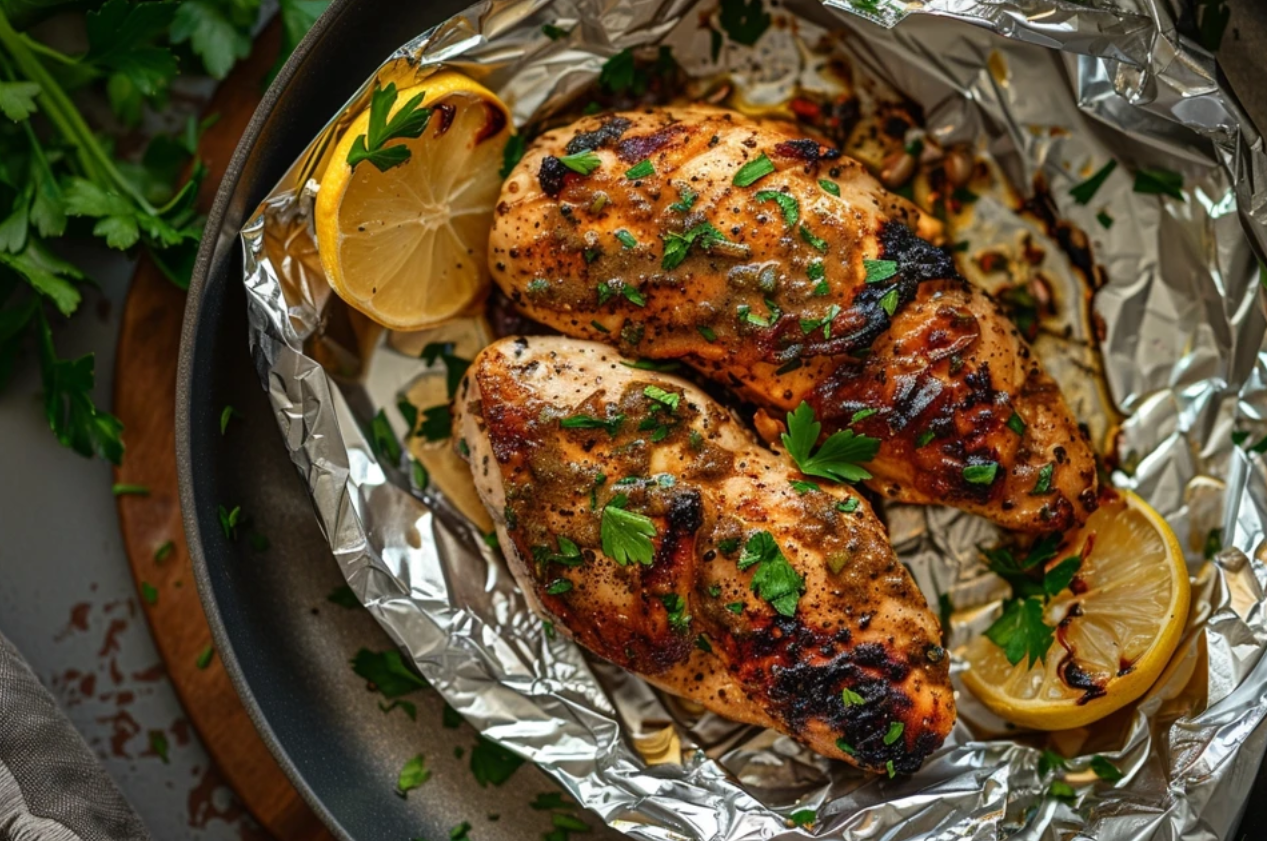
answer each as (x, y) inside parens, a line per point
(1046, 89)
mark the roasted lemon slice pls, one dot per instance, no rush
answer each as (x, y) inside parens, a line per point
(1116, 626)
(405, 206)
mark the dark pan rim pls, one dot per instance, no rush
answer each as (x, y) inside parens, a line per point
(215, 241)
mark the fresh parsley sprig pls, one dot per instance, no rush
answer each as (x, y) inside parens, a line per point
(775, 580)
(407, 123)
(1021, 631)
(627, 534)
(840, 457)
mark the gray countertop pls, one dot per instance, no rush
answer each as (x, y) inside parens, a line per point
(67, 599)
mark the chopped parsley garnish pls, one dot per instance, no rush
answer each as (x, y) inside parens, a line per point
(861, 415)
(686, 200)
(1061, 790)
(829, 187)
(1105, 770)
(387, 673)
(454, 366)
(591, 254)
(714, 590)
(164, 551)
(343, 597)
(633, 296)
(788, 367)
(652, 365)
(745, 21)
(1083, 193)
(787, 203)
(605, 292)
(553, 32)
(851, 698)
(819, 245)
(149, 593)
(964, 196)
(1059, 577)
(558, 587)
(413, 774)
(809, 325)
(702, 643)
(618, 72)
(803, 817)
(888, 302)
(226, 415)
(437, 423)
(1105, 220)
(924, 438)
(1049, 761)
(460, 832)
(205, 657)
(492, 763)
(735, 607)
(612, 425)
(407, 123)
(894, 733)
(888, 766)
(666, 398)
(643, 169)
(513, 153)
(549, 801)
(158, 744)
(775, 580)
(707, 332)
(1021, 631)
(627, 534)
(729, 546)
(598, 325)
(844, 747)
(816, 271)
(803, 488)
(745, 313)
(840, 456)
(1160, 182)
(626, 239)
(677, 246)
(849, 506)
(229, 519)
(569, 554)
(981, 474)
(124, 489)
(1016, 423)
(754, 170)
(386, 445)
(879, 270)
(1042, 485)
(583, 162)
(675, 606)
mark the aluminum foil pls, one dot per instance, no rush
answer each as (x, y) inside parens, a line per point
(1165, 363)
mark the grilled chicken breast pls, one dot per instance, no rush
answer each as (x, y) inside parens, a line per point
(658, 533)
(776, 266)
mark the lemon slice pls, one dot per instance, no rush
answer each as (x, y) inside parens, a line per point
(406, 246)
(1116, 627)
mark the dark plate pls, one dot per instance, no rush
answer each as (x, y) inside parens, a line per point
(285, 647)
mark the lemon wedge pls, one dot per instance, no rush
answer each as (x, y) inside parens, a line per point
(1116, 626)
(405, 207)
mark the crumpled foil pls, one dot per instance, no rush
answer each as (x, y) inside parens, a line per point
(1165, 364)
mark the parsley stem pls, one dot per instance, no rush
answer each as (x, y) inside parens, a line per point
(65, 117)
(47, 51)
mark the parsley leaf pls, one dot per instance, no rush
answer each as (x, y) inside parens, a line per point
(1042, 485)
(626, 534)
(753, 171)
(1021, 631)
(1083, 193)
(617, 74)
(745, 21)
(583, 162)
(1016, 423)
(1160, 182)
(775, 580)
(1105, 770)
(677, 246)
(878, 270)
(386, 672)
(803, 817)
(814, 242)
(73, 417)
(17, 99)
(492, 763)
(612, 425)
(1061, 790)
(829, 187)
(408, 122)
(642, 169)
(1049, 761)
(981, 474)
(626, 239)
(787, 203)
(413, 774)
(513, 154)
(888, 302)
(686, 200)
(840, 456)
(896, 728)
(217, 32)
(675, 606)
(666, 398)
(851, 698)
(1060, 576)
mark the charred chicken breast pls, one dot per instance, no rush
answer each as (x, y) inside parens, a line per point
(781, 269)
(659, 534)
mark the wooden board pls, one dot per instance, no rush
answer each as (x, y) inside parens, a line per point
(145, 400)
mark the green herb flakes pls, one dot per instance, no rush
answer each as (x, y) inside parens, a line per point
(981, 474)
(665, 398)
(205, 657)
(787, 203)
(851, 698)
(774, 580)
(122, 489)
(889, 301)
(626, 240)
(879, 270)
(412, 775)
(753, 171)
(1085, 191)
(849, 506)
(1160, 182)
(227, 414)
(819, 245)
(1105, 770)
(1042, 485)
(164, 551)
(642, 169)
(829, 187)
(626, 535)
(612, 424)
(493, 764)
(894, 733)
(582, 163)
(386, 672)
(343, 597)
